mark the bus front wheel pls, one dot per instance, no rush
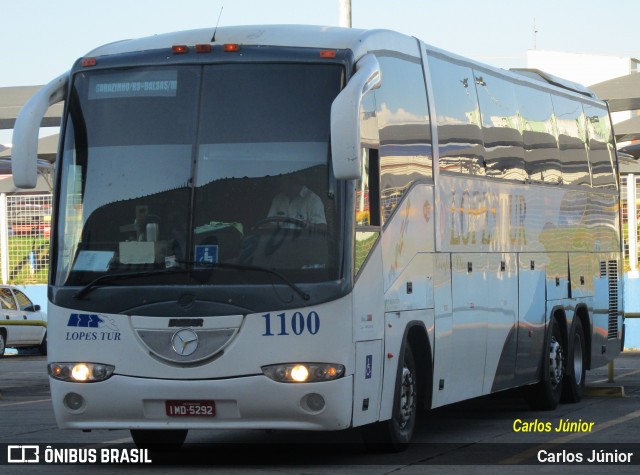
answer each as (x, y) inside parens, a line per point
(395, 434)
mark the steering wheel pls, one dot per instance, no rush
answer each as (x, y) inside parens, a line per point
(298, 223)
(280, 233)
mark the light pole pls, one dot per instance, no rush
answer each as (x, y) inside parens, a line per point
(344, 8)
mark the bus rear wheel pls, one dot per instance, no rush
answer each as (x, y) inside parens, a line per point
(395, 434)
(545, 395)
(157, 440)
(576, 367)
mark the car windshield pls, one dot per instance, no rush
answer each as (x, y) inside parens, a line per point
(194, 166)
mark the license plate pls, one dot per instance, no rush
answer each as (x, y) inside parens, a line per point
(190, 408)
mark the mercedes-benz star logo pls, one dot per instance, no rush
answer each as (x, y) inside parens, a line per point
(184, 342)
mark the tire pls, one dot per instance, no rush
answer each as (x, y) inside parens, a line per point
(574, 380)
(545, 395)
(159, 440)
(3, 343)
(395, 434)
(42, 347)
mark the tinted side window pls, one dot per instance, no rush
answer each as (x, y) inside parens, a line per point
(457, 117)
(504, 152)
(6, 299)
(572, 141)
(542, 162)
(601, 153)
(23, 300)
(405, 136)
(367, 199)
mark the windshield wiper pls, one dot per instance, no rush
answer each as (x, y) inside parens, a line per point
(87, 289)
(225, 265)
(113, 277)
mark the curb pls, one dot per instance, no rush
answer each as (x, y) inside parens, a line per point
(606, 391)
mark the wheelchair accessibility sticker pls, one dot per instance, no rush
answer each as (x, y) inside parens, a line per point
(206, 255)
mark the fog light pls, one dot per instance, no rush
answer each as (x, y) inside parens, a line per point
(74, 401)
(314, 402)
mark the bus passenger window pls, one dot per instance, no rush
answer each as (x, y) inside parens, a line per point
(539, 135)
(504, 151)
(405, 135)
(601, 151)
(457, 116)
(572, 137)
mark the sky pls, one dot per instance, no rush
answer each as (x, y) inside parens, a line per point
(41, 39)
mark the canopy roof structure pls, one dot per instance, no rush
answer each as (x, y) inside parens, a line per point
(11, 101)
(622, 94)
(13, 98)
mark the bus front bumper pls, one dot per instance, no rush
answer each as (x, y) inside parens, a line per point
(252, 402)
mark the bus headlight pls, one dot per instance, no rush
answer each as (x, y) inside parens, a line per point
(80, 372)
(303, 372)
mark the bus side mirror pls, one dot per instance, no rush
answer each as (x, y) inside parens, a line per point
(24, 153)
(346, 151)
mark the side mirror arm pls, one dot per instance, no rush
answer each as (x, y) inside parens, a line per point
(345, 118)
(24, 153)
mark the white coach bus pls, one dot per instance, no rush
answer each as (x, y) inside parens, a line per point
(288, 227)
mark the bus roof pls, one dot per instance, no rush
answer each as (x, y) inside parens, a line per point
(326, 37)
(358, 41)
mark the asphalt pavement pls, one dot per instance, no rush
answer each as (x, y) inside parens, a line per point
(483, 435)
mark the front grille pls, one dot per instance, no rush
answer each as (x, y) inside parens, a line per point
(207, 343)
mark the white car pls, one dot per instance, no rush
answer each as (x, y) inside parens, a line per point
(22, 324)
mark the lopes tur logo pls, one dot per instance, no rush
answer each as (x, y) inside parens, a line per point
(91, 320)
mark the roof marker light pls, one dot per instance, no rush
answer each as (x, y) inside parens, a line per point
(204, 48)
(328, 53)
(231, 47)
(87, 62)
(180, 49)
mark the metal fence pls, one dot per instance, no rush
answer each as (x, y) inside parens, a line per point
(25, 230)
(630, 192)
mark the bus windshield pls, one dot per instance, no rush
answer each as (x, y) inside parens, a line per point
(194, 167)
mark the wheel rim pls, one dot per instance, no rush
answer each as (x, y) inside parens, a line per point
(556, 362)
(577, 359)
(407, 398)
